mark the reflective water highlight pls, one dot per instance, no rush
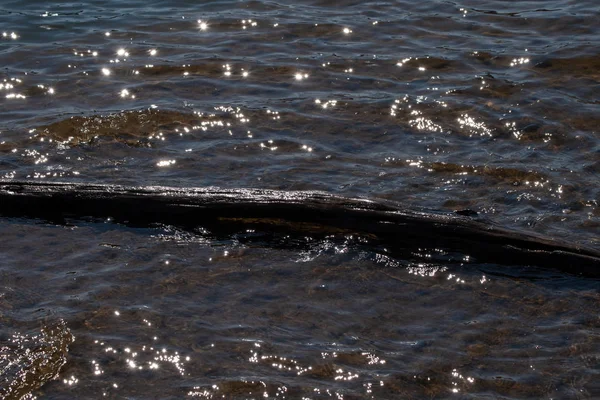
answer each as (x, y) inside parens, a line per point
(213, 319)
(481, 107)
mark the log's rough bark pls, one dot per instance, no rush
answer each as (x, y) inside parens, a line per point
(306, 214)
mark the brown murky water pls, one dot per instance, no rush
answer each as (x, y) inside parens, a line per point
(485, 106)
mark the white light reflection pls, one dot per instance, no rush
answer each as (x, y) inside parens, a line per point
(165, 163)
(512, 127)
(326, 104)
(274, 114)
(11, 35)
(106, 71)
(519, 61)
(248, 22)
(125, 93)
(278, 362)
(424, 124)
(300, 76)
(96, 366)
(458, 378)
(227, 69)
(473, 126)
(455, 278)
(341, 375)
(122, 52)
(403, 61)
(143, 357)
(15, 96)
(425, 270)
(70, 381)
(269, 146)
(202, 25)
(38, 157)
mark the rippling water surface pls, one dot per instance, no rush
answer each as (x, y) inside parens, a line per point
(481, 105)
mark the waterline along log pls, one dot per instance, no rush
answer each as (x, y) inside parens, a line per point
(305, 215)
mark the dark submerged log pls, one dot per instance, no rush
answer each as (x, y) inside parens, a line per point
(306, 214)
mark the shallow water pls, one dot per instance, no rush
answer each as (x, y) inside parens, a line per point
(481, 105)
(161, 314)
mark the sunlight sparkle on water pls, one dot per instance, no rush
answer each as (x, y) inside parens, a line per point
(326, 104)
(122, 53)
(70, 381)
(227, 69)
(11, 35)
(249, 22)
(403, 61)
(125, 93)
(473, 127)
(165, 163)
(519, 61)
(144, 357)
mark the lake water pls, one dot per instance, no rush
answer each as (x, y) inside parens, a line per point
(487, 106)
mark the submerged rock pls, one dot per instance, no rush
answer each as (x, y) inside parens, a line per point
(27, 362)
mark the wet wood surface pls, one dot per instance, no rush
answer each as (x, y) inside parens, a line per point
(281, 218)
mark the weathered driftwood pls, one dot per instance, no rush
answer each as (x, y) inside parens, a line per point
(306, 214)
